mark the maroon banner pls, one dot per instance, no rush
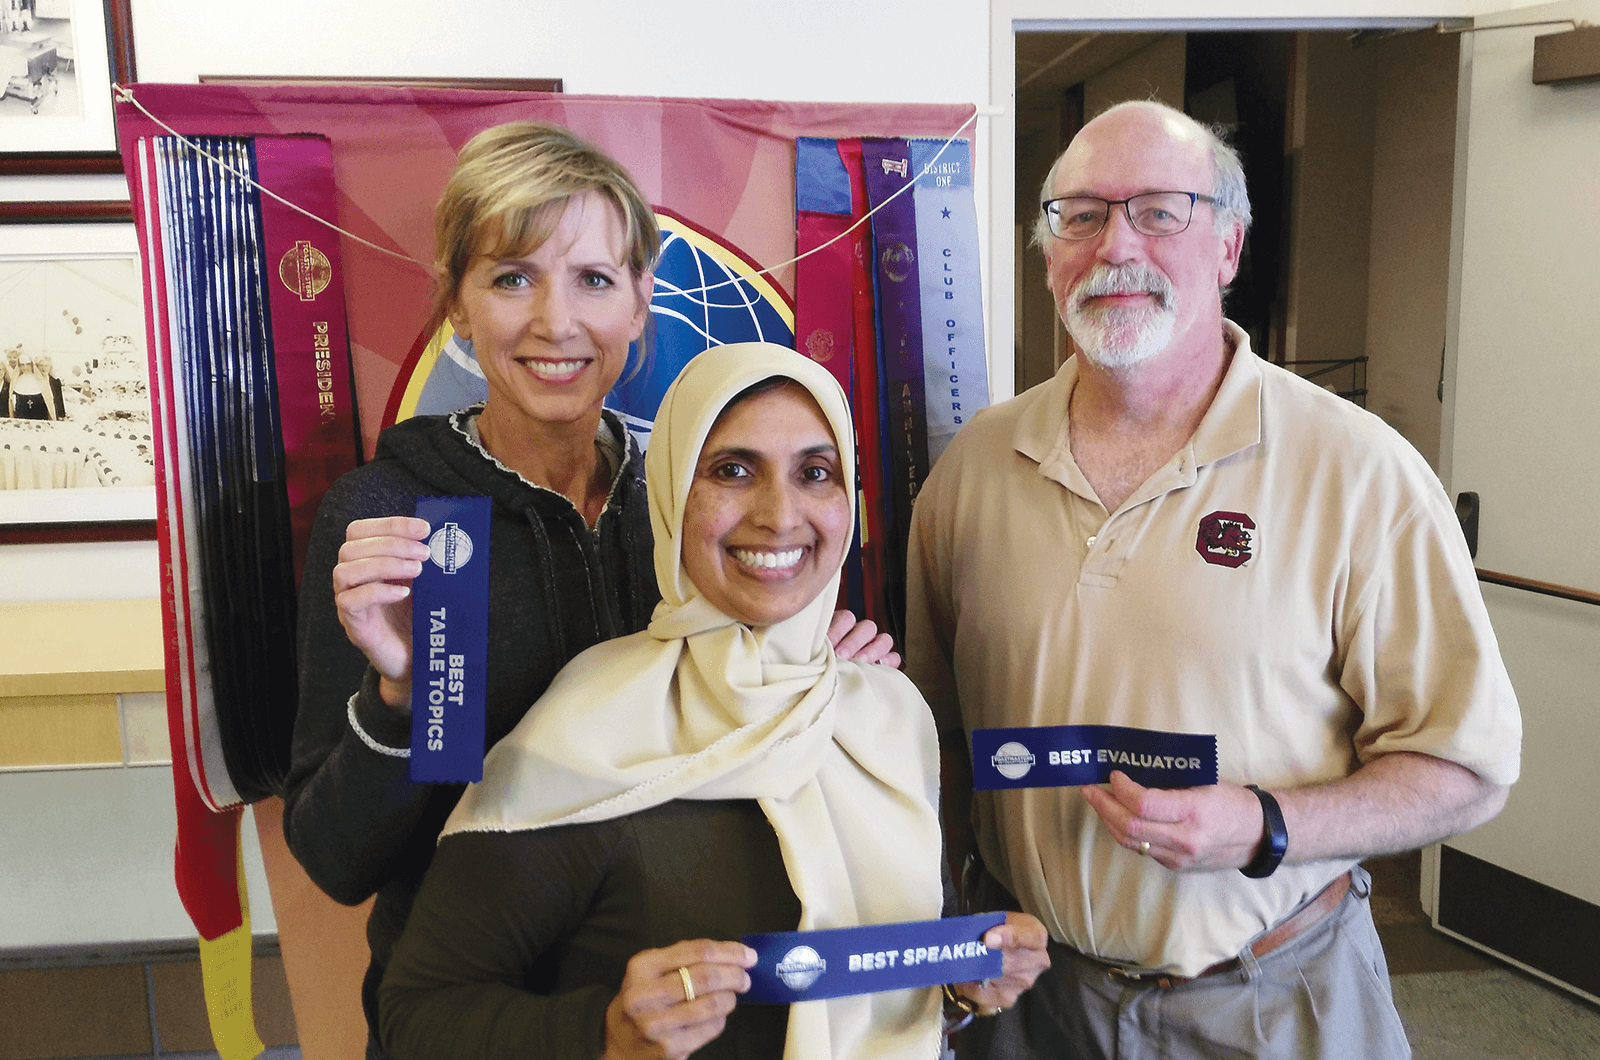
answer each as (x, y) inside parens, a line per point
(725, 166)
(822, 326)
(867, 397)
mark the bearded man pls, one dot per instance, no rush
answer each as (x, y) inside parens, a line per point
(1173, 544)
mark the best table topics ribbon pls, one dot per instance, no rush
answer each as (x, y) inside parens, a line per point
(449, 641)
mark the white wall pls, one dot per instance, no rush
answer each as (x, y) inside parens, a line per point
(1522, 389)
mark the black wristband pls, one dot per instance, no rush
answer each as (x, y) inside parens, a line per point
(1274, 838)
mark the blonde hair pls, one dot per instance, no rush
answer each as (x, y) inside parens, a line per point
(507, 192)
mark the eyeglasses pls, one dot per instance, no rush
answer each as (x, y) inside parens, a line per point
(1154, 213)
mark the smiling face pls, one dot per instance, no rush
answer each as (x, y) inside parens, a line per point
(551, 327)
(768, 514)
(1124, 296)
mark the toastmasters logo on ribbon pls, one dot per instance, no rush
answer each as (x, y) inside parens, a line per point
(1226, 539)
(813, 965)
(801, 967)
(450, 548)
(1072, 755)
(449, 638)
(1012, 760)
(305, 270)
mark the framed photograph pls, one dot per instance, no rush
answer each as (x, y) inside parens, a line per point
(58, 61)
(76, 440)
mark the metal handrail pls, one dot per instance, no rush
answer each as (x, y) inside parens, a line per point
(1565, 592)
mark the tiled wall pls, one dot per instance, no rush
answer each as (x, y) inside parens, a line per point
(77, 692)
(127, 1010)
(98, 729)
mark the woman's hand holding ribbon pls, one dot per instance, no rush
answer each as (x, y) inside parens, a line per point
(372, 591)
(1021, 940)
(675, 1000)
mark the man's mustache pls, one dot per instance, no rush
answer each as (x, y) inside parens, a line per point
(1124, 279)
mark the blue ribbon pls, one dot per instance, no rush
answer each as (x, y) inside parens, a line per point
(450, 641)
(1072, 755)
(813, 965)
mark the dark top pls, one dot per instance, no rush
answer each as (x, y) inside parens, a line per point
(352, 816)
(498, 907)
(30, 407)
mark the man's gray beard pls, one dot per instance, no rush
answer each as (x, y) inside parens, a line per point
(1120, 337)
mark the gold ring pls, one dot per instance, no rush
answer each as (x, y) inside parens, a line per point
(1144, 847)
(688, 984)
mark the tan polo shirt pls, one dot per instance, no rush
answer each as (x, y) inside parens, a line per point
(1294, 582)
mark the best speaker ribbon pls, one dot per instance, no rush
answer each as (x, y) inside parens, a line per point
(813, 965)
(449, 641)
(1072, 755)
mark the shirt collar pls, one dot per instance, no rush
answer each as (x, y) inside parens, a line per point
(1232, 423)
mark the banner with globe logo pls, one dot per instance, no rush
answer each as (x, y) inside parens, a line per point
(721, 175)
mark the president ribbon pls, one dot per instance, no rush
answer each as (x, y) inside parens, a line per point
(1072, 755)
(449, 641)
(813, 965)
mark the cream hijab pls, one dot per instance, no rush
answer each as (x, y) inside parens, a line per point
(842, 758)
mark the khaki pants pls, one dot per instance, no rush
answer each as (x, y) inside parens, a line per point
(1322, 996)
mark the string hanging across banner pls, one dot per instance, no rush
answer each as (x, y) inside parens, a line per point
(125, 94)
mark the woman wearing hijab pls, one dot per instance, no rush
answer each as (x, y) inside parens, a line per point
(720, 773)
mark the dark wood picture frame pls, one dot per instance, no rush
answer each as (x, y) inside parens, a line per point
(119, 59)
(86, 211)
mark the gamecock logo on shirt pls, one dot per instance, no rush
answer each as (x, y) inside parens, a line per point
(1226, 538)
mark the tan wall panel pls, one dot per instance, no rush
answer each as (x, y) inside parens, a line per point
(144, 728)
(1153, 72)
(70, 1012)
(55, 648)
(1332, 224)
(60, 731)
(180, 1004)
(1413, 167)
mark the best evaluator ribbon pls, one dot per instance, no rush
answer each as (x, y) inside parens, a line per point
(450, 642)
(1073, 755)
(814, 965)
